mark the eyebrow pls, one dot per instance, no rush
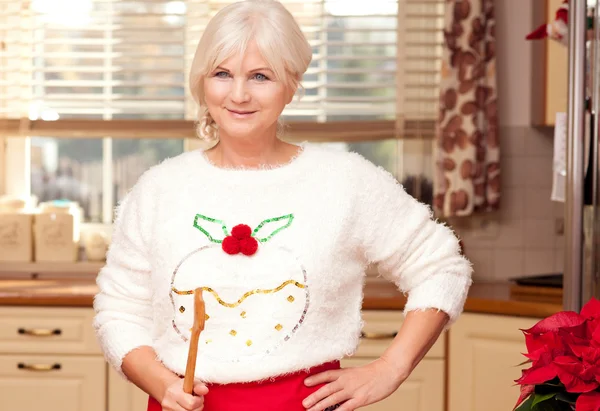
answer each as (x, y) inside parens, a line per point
(251, 71)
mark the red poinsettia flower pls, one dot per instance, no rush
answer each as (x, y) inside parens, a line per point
(538, 344)
(595, 340)
(566, 346)
(542, 350)
(540, 372)
(555, 322)
(577, 375)
(589, 401)
(591, 312)
(240, 240)
(526, 391)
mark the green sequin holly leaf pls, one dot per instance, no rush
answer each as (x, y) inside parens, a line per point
(211, 228)
(272, 226)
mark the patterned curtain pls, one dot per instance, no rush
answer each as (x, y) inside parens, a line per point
(467, 178)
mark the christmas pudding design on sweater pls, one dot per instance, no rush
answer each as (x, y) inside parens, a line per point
(255, 290)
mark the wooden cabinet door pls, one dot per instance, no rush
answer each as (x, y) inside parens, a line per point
(485, 351)
(52, 383)
(422, 391)
(123, 395)
(34, 330)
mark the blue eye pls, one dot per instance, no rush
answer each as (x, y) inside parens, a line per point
(260, 77)
(222, 74)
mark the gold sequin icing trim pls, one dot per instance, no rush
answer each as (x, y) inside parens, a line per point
(246, 295)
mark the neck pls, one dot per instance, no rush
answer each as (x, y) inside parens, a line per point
(251, 153)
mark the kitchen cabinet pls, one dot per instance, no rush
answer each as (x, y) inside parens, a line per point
(424, 389)
(484, 353)
(549, 69)
(123, 395)
(52, 382)
(49, 360)
(53, 353)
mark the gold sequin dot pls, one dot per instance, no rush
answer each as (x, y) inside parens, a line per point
(206, 317)
(181, 309)
(243, 314)
(279, 327)
(233, 333)
(291, 299)
(249, 343)
(208, 341)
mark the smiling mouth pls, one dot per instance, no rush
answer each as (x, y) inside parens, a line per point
(241, 113)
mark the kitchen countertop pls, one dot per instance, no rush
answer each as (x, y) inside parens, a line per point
(488, 298)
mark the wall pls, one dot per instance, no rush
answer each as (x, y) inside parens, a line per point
(521, 238)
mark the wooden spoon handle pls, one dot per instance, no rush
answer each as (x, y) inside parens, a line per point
(199, 319)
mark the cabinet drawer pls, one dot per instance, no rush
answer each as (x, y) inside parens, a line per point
(380, 329)
(422, 391)
(124, 395)
(52, 382)
(47, 330)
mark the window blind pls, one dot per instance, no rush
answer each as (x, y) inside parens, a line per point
(115, 67)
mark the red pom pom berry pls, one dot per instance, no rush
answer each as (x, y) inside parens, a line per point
(231, 245)
(248, 246)
(241, 231)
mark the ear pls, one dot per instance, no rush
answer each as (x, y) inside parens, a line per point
(293, 87)
(290, 97)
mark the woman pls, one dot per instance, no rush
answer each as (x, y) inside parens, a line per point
(278, 237)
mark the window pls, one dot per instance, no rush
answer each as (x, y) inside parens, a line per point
(96, 173)
(93, 92)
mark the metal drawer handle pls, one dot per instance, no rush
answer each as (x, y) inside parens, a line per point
(40, 332)
(378, 336)
(39, 367)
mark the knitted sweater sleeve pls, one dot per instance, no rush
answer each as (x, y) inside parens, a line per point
(123, 319)
(422, 257)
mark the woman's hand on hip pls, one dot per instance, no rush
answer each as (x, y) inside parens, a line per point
(175, 399)
(353, 388)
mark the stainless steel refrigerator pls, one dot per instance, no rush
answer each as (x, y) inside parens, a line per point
(581, 279)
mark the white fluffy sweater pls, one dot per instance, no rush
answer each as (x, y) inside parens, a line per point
(318, 221)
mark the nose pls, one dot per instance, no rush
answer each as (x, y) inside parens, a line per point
(239, 92)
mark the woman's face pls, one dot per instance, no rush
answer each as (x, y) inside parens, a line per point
(244, 97)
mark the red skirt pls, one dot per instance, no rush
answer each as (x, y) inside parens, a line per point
(281, 393)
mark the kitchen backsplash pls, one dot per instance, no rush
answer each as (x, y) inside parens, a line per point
(522, 238)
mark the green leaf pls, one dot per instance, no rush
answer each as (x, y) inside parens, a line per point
(538, 398)
(272, 225)
(526, 405)
(567, 397)
(548, 402)
(210, 228)
(547, 406)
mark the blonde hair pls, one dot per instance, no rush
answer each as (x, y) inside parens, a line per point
(277, 35)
